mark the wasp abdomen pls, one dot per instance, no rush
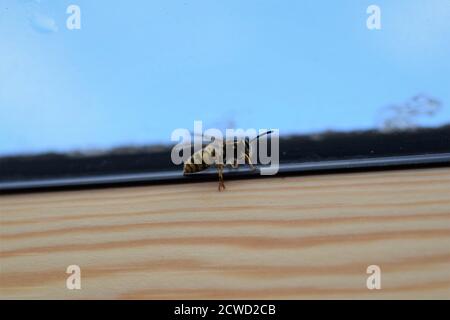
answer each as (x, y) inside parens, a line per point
(196, 163)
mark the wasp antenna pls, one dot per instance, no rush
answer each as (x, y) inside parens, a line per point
(262, 134)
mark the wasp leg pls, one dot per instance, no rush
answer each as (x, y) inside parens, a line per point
(220, 172)
(250, 162)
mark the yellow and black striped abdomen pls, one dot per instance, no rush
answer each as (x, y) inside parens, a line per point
(200, 160)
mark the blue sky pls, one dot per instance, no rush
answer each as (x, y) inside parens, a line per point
(137, 70)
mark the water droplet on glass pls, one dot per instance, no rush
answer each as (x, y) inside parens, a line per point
(43, 23)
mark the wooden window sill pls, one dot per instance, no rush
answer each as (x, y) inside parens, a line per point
(288, 238)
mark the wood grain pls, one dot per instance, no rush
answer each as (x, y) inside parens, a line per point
(297, 237)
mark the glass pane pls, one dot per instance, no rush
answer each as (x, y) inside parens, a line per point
(137, 70)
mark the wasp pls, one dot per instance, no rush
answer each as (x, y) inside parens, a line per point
(211, 153)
